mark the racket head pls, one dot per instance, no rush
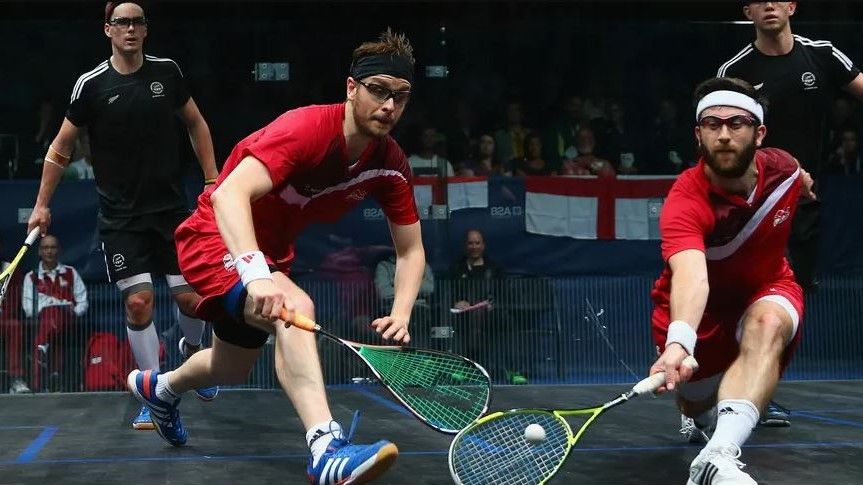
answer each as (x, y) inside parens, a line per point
(445, 391)
(495, 449)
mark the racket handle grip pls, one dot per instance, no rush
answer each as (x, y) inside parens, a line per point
(31, 238)
(299, 321)
(654, 382)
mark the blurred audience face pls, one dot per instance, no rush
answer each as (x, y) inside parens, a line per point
(585, 142)
(769, 17)
(514, 114)
(850, 148)
(573, 106)
(428, 138)
(533, 147)
(486, 146)
(49, 251)
(474, 244)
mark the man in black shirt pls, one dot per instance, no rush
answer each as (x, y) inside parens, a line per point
(129, 103)
(799, 78)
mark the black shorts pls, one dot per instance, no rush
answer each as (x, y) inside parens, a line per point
(233, 328)
(141, 244)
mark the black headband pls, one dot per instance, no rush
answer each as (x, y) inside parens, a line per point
(389, 64)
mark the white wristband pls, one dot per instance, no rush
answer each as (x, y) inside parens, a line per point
(680, 332)
(252, 266)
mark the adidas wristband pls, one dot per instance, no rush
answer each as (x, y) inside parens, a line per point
(680, 332)
(252, 266)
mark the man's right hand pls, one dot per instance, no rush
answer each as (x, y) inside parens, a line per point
(41, 218)
(268, 300)
(671, 362)
(461, 305)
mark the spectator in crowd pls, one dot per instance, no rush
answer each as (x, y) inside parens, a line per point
(60, 297)
(532, 163)
(559, 140)
(587, 163)
(841, 118)
(48, 121)
(670, 143)
(385, 284)
(614, 141)
(12, 332)
(81, 166)
(481, 333)
(846, 159)
(461, 138)
(484, 160)
(510, 139)
(426, 161)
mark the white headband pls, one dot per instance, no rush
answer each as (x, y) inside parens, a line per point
(730, 98)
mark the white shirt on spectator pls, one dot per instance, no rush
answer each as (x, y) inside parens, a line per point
(79, 291)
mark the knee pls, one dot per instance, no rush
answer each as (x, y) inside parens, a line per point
(139, 308)
(187, 303)
(765, 332)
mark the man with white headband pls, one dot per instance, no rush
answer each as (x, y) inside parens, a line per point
(800, 78)
(312, 164)
(727, 295)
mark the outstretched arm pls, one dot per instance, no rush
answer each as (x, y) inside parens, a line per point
(56, 161)
(202, 142)
(410, 265)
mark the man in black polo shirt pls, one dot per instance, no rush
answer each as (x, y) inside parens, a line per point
(799, 77)
(129, 104)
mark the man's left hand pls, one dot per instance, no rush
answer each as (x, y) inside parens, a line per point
(393, 328)
(806, 186)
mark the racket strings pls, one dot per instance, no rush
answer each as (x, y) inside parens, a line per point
(496, 451)
(450, 393)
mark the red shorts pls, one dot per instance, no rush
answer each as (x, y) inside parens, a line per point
(717, 344)
(207, 266)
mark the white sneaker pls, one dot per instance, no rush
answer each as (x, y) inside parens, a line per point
(719, 467)
(691, 432)
(19, 387)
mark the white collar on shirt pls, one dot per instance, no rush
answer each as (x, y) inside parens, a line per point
(42, 270)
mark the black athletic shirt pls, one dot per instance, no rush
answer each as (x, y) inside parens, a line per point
(799, 87)
(133, 138)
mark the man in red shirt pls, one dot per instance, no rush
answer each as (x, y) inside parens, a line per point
(311, 164)
(727, 294)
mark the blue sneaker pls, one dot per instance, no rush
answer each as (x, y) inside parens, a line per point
(205, 393)
(775, 416)
(143, 420)
(165, 416)
(345, 463)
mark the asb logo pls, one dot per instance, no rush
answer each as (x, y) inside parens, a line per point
(505, 211)
(781, 216)
(372, 214)
(157, 88)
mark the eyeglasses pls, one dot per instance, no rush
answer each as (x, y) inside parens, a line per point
(734, 123)
(382, 94)
(127, 21)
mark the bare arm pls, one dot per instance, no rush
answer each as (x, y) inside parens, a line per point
(689, 287)
(855, 87)
(232, 204)
(202, 142)
(63, 145)
(410, 265)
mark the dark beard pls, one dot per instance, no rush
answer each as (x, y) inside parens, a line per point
(361, 127)
(736, 170)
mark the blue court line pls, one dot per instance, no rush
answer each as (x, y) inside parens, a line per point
(21, 427)
(841, 422)
(29, 454)
(205, 458)
(381, 400)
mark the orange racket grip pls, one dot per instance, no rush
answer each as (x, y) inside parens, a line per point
(299, 321)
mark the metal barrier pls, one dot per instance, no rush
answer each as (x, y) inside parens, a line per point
(588, 329)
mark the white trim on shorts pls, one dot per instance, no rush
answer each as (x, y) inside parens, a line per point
(131, 281)
(785, 304)
(175, 280)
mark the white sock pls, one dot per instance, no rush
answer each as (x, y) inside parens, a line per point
(319, 436)
(735, 423)
(192, 328)
(145, 346)
(163, 389)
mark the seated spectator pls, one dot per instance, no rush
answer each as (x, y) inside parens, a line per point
(385, 284)
(614, 140)
(12, 332)
(559, 140)
(587, 163)
(670, 146)
(532, 163)
(484, 162)
(475, 279)
(846, 159)
(60, 297)
(510, 139)
(81, 167)
(461, 136)
(426, 161)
